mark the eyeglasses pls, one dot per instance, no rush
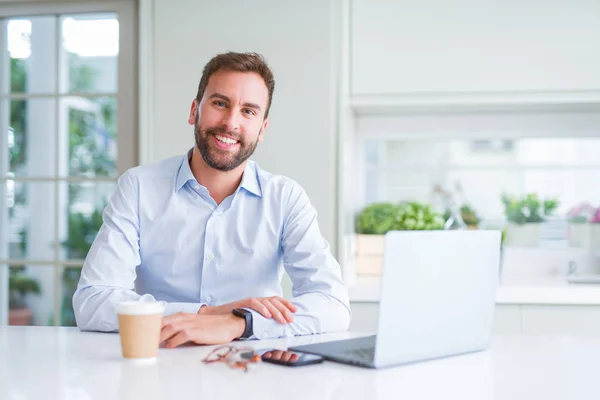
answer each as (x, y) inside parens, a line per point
(235, 357)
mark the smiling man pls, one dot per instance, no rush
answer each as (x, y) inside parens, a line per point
(209, 233)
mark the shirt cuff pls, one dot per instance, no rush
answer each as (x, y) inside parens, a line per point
(265, 328)
(173, 308)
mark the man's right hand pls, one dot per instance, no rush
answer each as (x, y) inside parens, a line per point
(274, 307)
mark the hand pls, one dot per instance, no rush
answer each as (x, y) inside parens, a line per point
(285, 356)
(274, 307)
(181, 328)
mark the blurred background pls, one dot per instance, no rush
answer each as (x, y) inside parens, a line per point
(393, 115)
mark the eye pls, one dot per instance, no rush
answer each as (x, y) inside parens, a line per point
(248, 111)
(219, 103)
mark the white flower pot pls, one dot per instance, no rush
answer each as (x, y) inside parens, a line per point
(371, 245)
(579, 234)
(594, 236)
(522, 235)
(369, 254)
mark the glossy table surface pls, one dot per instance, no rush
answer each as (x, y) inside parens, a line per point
(64, 363)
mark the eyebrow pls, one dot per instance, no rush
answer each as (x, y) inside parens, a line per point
(223, 97)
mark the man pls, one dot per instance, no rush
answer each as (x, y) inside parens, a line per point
(209, 232)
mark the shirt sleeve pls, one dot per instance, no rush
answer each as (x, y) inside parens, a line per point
(318, 290)
(108, 274)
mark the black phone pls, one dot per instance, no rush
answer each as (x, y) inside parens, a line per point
(289, 358)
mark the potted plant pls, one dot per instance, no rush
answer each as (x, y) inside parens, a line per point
(580, 219)
(468, 215)
(375, 220)
(20, 285)
(524, 216)
(594, 224)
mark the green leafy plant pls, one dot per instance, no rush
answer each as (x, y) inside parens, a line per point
(379, 218)
(528, 209)
(469, 215)
(82, 232)
(376, 219)
(19, 286)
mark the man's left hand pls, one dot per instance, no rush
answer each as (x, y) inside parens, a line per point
(181, 328)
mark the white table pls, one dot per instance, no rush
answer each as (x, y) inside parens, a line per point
(63, 363)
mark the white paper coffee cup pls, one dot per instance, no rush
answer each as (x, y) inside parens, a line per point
(139, 329)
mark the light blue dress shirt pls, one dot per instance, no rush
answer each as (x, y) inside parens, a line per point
(165, 239)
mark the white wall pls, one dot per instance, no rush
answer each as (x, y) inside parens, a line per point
(180, 36)
(437, 46)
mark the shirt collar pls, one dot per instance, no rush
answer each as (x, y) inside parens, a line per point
(185, 172)
(249, 182)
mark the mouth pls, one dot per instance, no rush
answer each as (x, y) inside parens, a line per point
(224, 142)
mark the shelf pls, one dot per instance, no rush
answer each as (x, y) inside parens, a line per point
(576, 100)
(550, 292)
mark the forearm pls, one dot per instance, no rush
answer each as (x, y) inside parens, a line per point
(95, 306)
(317, 313)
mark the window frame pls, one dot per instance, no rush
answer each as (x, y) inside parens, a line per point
(127, 123)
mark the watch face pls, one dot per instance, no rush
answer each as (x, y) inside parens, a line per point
(240, 312)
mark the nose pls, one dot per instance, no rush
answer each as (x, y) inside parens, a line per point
(231, 121)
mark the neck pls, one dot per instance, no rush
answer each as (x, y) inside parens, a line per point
(220, 184)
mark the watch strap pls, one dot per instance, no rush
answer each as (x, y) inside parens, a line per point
(247, 316)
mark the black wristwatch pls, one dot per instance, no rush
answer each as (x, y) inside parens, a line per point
(247, 315)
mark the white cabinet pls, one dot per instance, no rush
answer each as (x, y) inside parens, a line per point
(507, 320)
(561, 320)
(364, 318)
(466, 46)
(511, 319)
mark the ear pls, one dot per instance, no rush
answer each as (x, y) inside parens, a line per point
(263, 129)
(193, 111)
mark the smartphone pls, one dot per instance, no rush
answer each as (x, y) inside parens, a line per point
(289, 358)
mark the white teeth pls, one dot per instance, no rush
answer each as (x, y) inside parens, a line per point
(225, 139)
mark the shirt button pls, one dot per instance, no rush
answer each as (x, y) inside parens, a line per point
(211, 256)
(197, 187)
(208, 299)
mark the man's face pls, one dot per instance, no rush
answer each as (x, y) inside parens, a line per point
(229, 121)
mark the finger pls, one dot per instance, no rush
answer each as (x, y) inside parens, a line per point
(167, 332)
(268, 354)
(277, 355)
(283, 309)
(294, 358)
(287, 303)
(277, 316)
(256, 305)
(285, 357)
(176, 318)
(177, 340)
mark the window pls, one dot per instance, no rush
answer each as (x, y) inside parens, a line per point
(67, 96)
(534, 175)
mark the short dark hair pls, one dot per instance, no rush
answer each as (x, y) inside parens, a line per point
(242, 62)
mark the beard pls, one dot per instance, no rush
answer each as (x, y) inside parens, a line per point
(222, 160)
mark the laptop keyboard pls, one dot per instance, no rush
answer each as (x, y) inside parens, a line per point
(366, 353)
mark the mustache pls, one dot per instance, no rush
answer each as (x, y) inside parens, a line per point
(222, 131)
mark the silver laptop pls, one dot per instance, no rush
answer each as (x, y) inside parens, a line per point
(438, 291)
